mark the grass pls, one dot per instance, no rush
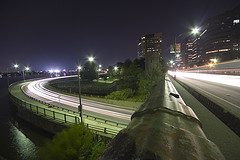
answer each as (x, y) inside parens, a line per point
(130, 105)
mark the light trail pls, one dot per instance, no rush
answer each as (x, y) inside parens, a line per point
(215, 78)
(37, 90)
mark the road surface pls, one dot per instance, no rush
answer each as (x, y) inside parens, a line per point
(37, 90)
(223, 90)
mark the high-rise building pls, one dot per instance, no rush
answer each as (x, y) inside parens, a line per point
(219, 38)
(150, 48)
(188, 53)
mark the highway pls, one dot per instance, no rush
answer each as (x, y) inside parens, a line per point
(37, 90)
(221, 89)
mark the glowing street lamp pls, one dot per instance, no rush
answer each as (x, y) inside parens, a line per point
(115, 68)
(79, 68)
(214, 60)
(16, 66)
(195, 30)
(26, 69)
(91, 59)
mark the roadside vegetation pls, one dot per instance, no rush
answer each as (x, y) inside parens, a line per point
(76, 142)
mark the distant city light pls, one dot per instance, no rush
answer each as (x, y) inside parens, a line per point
(171, 62)
(177, 55)
(50, 71)
(57, 71)
(100, 66)
(115, 68)
(236, 21)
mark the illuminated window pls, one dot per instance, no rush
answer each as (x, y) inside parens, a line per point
(236, 21)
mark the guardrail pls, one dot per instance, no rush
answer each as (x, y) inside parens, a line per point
(98, 119)
(66, 118)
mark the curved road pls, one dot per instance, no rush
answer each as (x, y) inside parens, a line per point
(37, 90)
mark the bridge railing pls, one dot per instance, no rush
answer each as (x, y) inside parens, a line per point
(66, 118)
(85, 115)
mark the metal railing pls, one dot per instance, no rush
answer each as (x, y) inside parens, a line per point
(88, 116)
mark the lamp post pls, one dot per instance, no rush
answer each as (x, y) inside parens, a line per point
(80, 108)
(25, 69)
(16, 66)
(79, 93)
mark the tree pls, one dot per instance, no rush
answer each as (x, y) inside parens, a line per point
(89, 72)
(76, 142)
(129, 77)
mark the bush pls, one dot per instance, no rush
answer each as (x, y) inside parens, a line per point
(77, 142)
(121, 95)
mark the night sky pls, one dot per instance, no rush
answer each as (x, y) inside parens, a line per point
(56, 33)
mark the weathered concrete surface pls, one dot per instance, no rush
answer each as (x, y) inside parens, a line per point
(156, 133)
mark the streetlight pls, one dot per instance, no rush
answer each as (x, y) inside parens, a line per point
(79, 93)
(79, 68)
(195, 30)
(115, 68)
(91, 59)
(25, 69)
(16, 66)
(214, 60)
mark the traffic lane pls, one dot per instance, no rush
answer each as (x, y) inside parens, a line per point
(227, 96)
(40, 86)
(37, 92)
(229, 93)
